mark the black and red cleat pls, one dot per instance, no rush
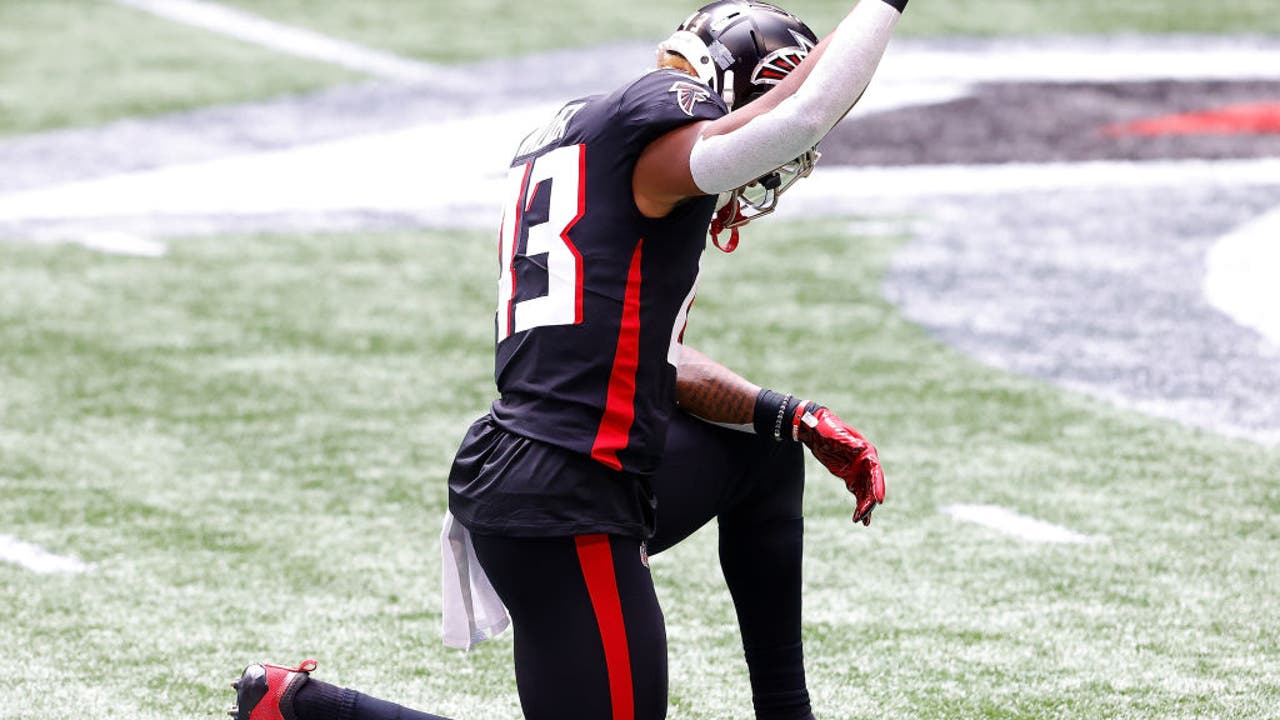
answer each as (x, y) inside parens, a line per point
(265, 692)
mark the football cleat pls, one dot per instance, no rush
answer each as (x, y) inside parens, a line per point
(265, 692)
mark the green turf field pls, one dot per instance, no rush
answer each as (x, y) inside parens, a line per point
(248, 437)
(79, 62)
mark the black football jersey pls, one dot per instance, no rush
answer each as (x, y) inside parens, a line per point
(592, 295)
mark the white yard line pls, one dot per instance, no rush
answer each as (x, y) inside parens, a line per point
(1101, 61)
(37, 559)
(361, 173)
(118, 243)
(375, 178)
(287, 39)
(912, 181)
(1011, 523)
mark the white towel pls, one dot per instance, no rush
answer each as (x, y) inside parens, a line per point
(472, 611)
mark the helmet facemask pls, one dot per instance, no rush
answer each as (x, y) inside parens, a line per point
(736, 208)
(760, 198)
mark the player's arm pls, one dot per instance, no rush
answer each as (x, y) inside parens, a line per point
(717, 156)
(715, 393)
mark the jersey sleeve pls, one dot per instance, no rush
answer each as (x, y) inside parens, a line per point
(664, 100)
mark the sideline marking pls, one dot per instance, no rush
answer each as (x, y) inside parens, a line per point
(1011, 523)
(1241, 272)
(376, 179)
(118, 243)
(37, 559)
(913, 181)
(287, 39)
(1022, 59)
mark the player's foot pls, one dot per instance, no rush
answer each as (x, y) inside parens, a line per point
(265, 692)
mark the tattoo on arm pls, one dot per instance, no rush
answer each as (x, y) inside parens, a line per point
(713, 392)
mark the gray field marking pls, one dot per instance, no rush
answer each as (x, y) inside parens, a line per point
(1024, 123)
(1101, 292)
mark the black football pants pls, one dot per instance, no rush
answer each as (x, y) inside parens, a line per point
(590, 641)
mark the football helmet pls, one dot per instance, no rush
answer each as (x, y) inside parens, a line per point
(740, 49)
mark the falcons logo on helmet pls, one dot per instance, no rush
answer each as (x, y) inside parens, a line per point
(688, 95)
(779, 63)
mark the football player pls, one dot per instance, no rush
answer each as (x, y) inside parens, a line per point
(610, 439)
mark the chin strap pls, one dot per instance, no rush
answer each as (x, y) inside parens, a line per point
(728, 218)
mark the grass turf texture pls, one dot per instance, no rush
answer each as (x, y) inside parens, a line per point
(83, 62)
(457, 31)
(248, 438)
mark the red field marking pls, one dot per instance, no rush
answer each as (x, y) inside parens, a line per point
(1249, 119)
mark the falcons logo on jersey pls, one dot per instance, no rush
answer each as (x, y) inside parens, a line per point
(779, 63)
(688, 95)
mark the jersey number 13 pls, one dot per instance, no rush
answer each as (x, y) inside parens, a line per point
(565, 169)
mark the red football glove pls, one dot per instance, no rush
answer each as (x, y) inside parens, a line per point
(844, 452)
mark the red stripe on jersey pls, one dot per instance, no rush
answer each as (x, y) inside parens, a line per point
(515, 243)
(596, 559)
(687, 310)
(619, 407)
(582, 210)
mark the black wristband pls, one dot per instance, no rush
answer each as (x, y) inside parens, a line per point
(899, 5)
(774, 414)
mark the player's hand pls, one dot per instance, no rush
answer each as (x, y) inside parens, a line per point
(846, 453)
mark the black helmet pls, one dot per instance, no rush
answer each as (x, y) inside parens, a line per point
(741, 48)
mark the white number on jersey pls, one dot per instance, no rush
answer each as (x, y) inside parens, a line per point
(565, 169)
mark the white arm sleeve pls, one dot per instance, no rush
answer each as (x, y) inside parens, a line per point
(775, 138)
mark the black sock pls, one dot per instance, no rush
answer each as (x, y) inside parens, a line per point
(322, 701)
(371, 708)
(778, 689)
(761, 563)
(317, 700)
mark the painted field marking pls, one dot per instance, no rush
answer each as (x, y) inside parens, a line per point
(37, 559)
(118, 243)
(828, 184)
(375, 178)
(1241, 273)
(1007, 521)
(1105, 60)
(358, 173)
(287, 39)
